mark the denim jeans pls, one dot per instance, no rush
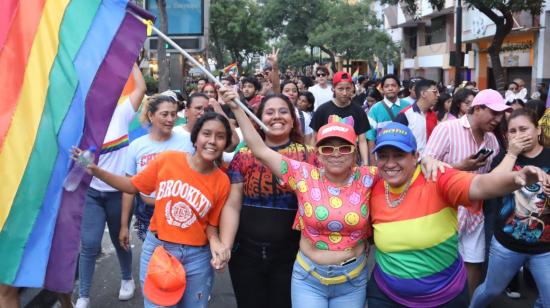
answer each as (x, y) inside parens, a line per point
(195, 260)
(503, 265)
(308, 291)
(100, 208)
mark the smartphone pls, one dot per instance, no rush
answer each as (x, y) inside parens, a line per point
(485, 152)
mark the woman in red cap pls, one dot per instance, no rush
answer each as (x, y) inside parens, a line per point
(330, 268)
(190, 193)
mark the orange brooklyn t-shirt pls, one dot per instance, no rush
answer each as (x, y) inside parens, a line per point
(186, 201)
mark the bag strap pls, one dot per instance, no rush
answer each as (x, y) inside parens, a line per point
(388, 109)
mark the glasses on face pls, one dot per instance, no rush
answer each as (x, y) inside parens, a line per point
(321, 75)
(436, 91)
(329, 149)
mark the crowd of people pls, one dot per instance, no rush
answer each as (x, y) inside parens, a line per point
(451, 187)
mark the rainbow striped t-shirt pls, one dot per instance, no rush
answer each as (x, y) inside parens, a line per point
(417, 259)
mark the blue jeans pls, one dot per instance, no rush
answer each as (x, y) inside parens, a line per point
(100, 208)
(308, 291)
(503, 265)
(195, 260)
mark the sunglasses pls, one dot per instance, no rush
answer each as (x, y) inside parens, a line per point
(321, 75)
(329, 149)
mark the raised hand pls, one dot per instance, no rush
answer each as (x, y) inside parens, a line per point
(228, 95)
(273, 57)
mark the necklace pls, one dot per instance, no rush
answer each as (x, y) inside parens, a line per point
(396, 203)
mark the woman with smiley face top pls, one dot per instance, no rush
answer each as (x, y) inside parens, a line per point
(330, 268)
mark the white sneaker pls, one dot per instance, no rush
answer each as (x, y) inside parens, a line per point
(512, 294)
(82, 302)
(127, 289)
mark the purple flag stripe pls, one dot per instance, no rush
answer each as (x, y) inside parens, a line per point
(100, 104)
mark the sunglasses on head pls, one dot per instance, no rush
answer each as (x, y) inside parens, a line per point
(329, 149)
(321, 74)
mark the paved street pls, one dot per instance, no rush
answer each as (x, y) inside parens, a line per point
(107, 282)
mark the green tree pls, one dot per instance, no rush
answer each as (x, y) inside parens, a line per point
(235, 28)
(337, 27)
(499, 11)
(353, 32)
(291, 55)
(294, 20)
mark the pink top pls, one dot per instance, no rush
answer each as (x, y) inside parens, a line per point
(452, 141)
(330, 217)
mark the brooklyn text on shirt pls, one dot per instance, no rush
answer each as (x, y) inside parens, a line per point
(180, 213)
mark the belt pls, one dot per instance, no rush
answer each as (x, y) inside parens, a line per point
(331, 280)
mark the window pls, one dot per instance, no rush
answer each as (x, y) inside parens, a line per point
(437, 32)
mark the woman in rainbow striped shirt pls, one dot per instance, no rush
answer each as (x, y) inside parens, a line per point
(415, 224)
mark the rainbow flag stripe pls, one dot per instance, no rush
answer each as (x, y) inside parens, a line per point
(230, 67)
(69, 62)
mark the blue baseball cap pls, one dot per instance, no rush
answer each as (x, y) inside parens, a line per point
(396, 135)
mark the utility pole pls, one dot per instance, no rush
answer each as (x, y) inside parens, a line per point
(458, 42)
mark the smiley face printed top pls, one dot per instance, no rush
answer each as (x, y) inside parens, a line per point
(331, 217)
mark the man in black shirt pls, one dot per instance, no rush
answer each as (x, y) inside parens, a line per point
(341, 105)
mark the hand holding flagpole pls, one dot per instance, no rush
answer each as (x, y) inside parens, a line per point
(202, 68)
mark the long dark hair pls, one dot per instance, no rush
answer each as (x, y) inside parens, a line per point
(209, 116)
(440, 105)
(459, 97)
(310, 99)
(296, 133)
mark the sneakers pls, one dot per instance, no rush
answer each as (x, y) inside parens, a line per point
(512, 294)
(127, 288)
(82, 302)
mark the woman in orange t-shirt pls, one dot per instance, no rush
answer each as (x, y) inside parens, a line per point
(190, 193)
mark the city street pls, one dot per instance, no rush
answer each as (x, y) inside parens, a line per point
(107, 282)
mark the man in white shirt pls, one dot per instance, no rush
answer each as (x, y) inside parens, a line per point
(321, 91)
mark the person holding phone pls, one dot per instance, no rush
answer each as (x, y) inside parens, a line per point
(458, 142)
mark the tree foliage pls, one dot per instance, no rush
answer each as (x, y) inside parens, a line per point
(291, 55)
(336, 26)
(499, 11)
(235, 28)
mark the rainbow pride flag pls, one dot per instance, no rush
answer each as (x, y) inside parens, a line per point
(64, 65)
(355, 74)
(231, 67)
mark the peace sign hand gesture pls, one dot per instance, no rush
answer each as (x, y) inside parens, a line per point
(272, 58)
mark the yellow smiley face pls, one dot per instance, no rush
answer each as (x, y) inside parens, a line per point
(292, 182)
(302, 186)
(315, 174)
(335, 237)
(308, 209)
(335, 202)
(301, 223)
(351, 218)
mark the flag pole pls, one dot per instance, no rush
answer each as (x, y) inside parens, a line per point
(202, 68)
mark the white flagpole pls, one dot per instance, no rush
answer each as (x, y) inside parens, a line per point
(202, 68)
